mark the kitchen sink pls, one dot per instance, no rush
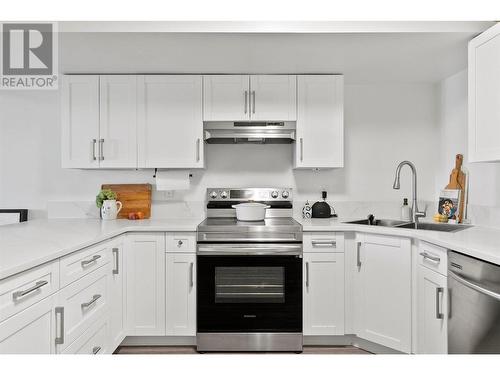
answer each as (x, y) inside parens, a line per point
(439, 227)
(435, 226)
(379, 222)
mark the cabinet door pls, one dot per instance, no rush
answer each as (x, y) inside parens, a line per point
(181, 294)
(320, 122)
(384, 291)
(484, 96)
(145, 285)
(170, 122)
(273, 97)
(323, 294)
(31, 331)
(432, 297)
(118, 124)
(226, 98)
(80, 121)
(116, 295)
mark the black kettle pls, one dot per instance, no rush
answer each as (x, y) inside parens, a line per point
(322, 210)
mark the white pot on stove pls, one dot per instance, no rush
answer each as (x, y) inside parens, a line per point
(252, 211)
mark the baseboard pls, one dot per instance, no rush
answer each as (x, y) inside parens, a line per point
(158, 340)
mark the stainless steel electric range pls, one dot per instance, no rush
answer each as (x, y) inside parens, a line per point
(249, 283)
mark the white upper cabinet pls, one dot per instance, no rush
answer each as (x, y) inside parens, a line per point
(320, 122)
(484, 96)
(118, 124)
(80, 121)
(226, 98)
(249, 98)
(170, 121)
(383, 292)
(273, 98)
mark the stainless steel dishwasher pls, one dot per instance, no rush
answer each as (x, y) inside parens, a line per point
(474, 313)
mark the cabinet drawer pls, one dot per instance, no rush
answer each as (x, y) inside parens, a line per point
(323, 242)
(81, 263)
(433, 257)
(181, 242)
(83, 303)
(23, 290)
(92, 341)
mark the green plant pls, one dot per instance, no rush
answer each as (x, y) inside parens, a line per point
(103, 195)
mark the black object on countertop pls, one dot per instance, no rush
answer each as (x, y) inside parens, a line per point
(322, 209)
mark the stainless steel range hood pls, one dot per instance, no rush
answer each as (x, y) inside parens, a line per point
(249, 132)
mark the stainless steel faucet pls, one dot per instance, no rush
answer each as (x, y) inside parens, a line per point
(414, 207)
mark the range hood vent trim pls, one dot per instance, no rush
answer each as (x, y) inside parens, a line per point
(277, 132)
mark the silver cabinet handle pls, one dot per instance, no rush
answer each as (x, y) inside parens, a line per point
(431, 257)
(94, 142)
(88, 261)
(96, 349)
(439, 314)
(324, 243)
(60, 312)
(91, 302)
(179, 243)
(191, 274)
(301, 149)
(22, 293)
(101, 149)
(474, 286)
(246, 101)
(253, 104)
(358, 254)
(117, 261)
(198, 149)
(307, 274)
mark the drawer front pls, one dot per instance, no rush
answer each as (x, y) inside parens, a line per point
(93, 340)
(323, 242)
(433, 257)
(83, 303)
(81, 263)
(23, 290)
(181, 242)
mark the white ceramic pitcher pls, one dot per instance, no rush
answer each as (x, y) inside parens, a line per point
(110, 209)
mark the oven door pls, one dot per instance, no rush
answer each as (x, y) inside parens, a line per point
(249, 293)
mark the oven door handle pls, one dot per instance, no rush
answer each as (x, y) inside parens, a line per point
(245, 249)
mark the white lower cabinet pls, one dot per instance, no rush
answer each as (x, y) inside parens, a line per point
(116, 294)
(92, 341)
(181, 294)
(31, 331)
(432, 312)
(323, 294)
(145, 284)
(383, 290)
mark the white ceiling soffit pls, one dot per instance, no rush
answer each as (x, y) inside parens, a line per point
(276, 26)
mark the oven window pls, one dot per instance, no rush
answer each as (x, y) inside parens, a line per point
(249, 284)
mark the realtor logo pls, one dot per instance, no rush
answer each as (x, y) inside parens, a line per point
(28, 56)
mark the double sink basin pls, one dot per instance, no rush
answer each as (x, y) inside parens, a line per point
(440, 227)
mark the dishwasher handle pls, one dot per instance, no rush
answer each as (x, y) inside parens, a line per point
(474, 286)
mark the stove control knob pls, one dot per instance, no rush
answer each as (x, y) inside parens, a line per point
(285, 194)
(274, 194)
(213, 194)
(223, 195)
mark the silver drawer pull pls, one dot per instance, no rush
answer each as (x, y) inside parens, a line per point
(22, 293)
(96, 349)
(88, 261)
(431, 257)
(60, 333)
(116, 253)
(324, 243)
(179, 243)
(91, 302)
(439, 314)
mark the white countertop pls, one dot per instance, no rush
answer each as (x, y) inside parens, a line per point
(29, 244)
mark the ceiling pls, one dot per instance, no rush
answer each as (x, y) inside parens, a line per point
(411, 55)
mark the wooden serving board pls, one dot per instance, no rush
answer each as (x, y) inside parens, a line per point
(457, 181)
(134, 198)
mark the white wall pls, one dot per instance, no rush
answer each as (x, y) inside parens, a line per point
(484, 178)
(384, 124)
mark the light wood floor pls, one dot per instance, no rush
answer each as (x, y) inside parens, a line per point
(192, 350)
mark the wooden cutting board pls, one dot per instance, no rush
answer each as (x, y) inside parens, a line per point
(457, 181)
(134, 197)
